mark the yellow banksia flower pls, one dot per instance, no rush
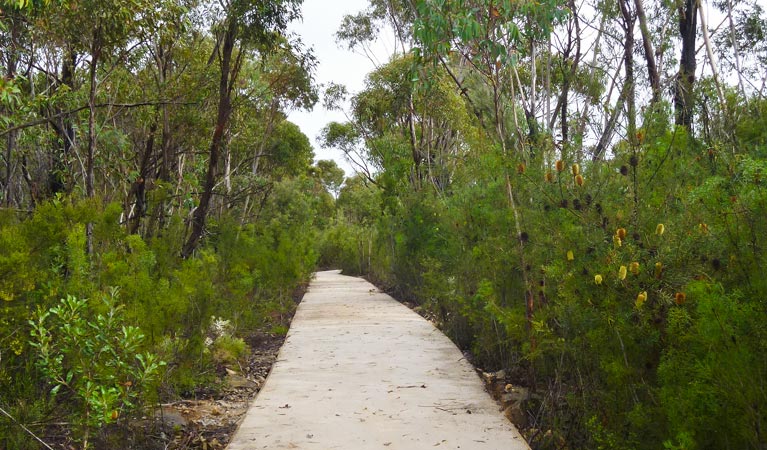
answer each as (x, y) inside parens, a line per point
(549, 177)
(617, 241)
(570, 255)
(660, 229)
(703, 228)
(576, 169)
(641, 298)
(621, 233)
(597, 279)
(680, 298)
(622, 273)
(634, 268)
(658, 269)
(579, 180)
(560, 165)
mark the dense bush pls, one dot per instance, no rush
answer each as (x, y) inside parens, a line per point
(631, 296)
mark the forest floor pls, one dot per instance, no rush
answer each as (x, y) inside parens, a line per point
(209, 421)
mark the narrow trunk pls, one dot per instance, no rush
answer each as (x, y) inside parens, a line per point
(685, 80)
(90, 190)
(65, 133)
(139, 186)
(222, 120)
(649, 52)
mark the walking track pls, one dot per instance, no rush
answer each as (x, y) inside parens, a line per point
(359, 371)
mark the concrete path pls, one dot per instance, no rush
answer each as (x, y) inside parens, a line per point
(359, 371)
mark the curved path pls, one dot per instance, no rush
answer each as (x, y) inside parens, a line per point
(359, 371)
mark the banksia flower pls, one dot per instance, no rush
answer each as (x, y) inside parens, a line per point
(622, 273)
(597, 279)
(617, 241)
(560, 165)
(576, 169)
(621, 233)
(521, 168)
(680, 298)
(570, 255)
(660, 229)
(549, 177)
(658, 269)
(641, 298)
(579, 180)
(634, 268)
(703, 228)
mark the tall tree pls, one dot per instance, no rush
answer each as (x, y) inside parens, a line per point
(248, 25)
(685, 79)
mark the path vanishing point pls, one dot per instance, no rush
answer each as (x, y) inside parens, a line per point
(359, 371)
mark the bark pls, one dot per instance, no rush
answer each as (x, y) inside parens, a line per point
(685, 80)
(222, 121)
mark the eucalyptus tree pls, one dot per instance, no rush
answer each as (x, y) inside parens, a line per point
(247, 26)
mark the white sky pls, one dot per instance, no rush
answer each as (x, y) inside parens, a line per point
(321, 19)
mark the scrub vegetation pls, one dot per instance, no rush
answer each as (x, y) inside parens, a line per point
(574, 191)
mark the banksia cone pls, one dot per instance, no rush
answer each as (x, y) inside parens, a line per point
(560, 165)
(622, 273)
(570, 255)
(621, 233)
(660, 229)
(576, 169)
(521, 168)
(579, 180)
(617, 241)
(634, 268)
(597, 279)
(549, 177)
(658, 269)
(680, 298)
(641, 298)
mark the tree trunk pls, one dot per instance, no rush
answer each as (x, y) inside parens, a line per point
(649, 52)
(685, 80)
(90, 190)
(139, 186)
(222, 120)
(65, 132)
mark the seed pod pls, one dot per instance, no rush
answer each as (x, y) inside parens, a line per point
(597, 279)
(658, 269)
(634, 268)
(624, 170)
(660, 229)
(634, 161)
(560, 165)
(570, 255)
(576, 169)
(621, 233)
(680, 298)
(549, 177)
(622, 273)
(579, 180)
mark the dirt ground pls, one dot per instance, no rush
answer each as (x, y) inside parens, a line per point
(208, 423)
